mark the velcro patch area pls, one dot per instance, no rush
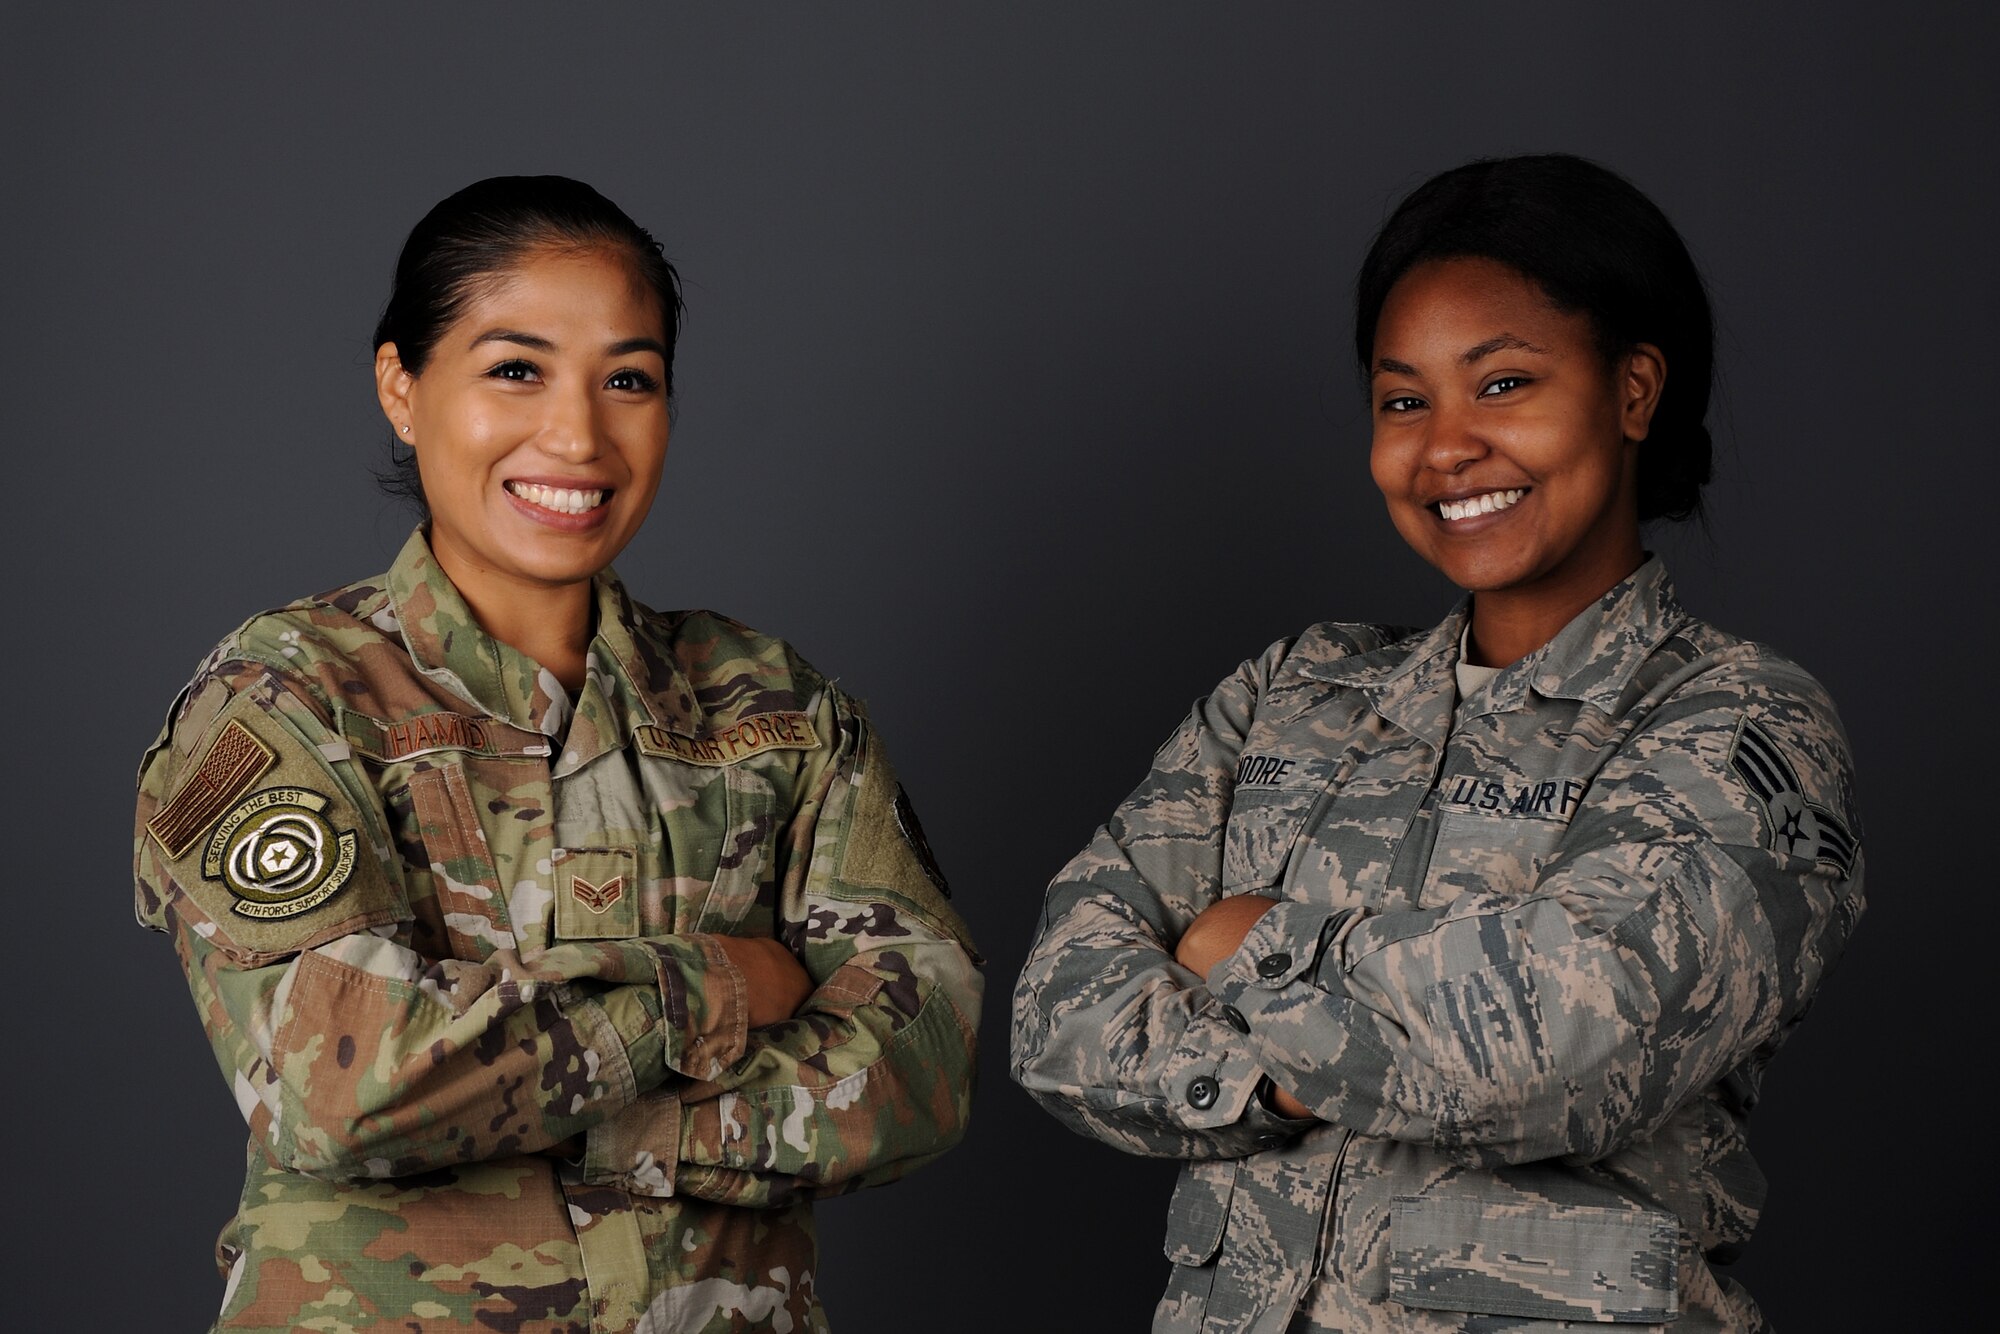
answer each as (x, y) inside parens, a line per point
(265, 839)
(883, 849)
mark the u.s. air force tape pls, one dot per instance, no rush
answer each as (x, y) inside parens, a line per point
(781, 730)
(278, 855)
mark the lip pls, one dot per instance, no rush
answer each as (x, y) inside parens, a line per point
(562, 523)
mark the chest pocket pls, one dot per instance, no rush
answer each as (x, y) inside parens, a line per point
(745, 857)
(464, 878)
(1267, 817)
(1263, 828)
(716, 830)
(1502, 854)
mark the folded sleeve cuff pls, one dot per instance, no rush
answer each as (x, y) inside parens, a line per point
(1284, 944)
(627, 1020)
(638, 1149)
(705, 1009)
(1324, 1047)
(1213, 1079)
(1258, 983)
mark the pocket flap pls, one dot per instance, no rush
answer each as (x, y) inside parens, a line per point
(1555, 1262)
(1199, 1211)
(1263, 826)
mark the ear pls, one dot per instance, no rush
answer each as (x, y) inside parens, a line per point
(1639, 389)
(392, 390)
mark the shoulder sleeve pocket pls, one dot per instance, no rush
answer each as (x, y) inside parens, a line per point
(1576, 1263)
(882, 850)
(256, 840)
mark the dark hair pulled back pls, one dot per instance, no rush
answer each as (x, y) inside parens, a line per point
(1595, 245)
(467, 244)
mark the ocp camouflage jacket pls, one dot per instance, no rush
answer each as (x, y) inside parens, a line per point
(1529, 960)
(454, 943)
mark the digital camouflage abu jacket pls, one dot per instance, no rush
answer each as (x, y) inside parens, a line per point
(1527, 967)
(453, 941)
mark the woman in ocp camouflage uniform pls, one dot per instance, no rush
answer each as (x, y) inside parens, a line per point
(559, 952)
(1451, 961)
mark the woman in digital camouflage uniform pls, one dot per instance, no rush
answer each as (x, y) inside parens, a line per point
(1451, 960)
(559, 952)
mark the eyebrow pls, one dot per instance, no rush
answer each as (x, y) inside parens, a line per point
(624, 347)
(631, 345)
(1497, 343)
(535, 341)
(1472, 355)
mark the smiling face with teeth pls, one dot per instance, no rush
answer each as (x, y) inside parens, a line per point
(1507, 446)
(540, 426)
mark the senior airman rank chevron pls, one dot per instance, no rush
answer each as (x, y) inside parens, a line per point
(1799, 828)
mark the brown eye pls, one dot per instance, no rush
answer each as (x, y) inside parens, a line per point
(632, 381)
(521, 372)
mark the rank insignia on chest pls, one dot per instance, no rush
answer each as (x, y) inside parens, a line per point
(597, 898)
(597, 893)
(278, 855)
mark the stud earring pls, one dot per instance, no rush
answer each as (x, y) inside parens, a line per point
(406, 430)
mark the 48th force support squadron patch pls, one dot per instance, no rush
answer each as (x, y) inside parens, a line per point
(278, 855)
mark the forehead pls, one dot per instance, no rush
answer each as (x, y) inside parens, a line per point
(1466, 300)
(570, 286)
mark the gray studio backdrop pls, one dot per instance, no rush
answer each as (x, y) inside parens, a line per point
(1014, 393)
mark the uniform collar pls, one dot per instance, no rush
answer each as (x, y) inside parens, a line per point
(627, 674)
(1595, 656)
(1592, 659)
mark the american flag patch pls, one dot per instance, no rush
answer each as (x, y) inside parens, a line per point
(235, 761)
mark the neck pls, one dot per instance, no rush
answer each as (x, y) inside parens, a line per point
(551, 624)
(1510, 623)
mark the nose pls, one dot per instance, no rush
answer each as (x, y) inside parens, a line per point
(570, 429)
(1452, 439)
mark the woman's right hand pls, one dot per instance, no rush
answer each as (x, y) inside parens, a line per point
(774, 980)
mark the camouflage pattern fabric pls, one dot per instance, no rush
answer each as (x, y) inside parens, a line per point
(453, 940)
(1531, 954)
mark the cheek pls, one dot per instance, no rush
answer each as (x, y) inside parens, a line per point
(1391, 468)
(465, 433)
(1386, 467)
(644, 447)
(490, 429)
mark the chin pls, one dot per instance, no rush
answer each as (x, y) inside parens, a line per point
(558, 571)
(1482, 576)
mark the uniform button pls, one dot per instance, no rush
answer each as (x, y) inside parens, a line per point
(1269, 1141)
(1274, 965)
(1235, 1019)
(1202, 1092)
